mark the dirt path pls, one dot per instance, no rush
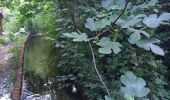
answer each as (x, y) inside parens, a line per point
(5, 72)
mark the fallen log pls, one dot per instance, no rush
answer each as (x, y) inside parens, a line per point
(17, 91)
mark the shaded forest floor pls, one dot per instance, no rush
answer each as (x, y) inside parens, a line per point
(5, 71)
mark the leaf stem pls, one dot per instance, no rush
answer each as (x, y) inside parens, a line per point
(113, 23)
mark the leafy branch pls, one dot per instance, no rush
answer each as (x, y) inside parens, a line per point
(82, 37)
(113, 23)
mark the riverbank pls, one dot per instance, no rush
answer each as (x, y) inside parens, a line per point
(5, 72)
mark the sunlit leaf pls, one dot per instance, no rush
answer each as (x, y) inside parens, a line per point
(77, 37)
(106, 3)
(134, 21)
(96, 25)
(108, 98)
(149, 44)
(109, 5)
(107, 46)
(154, 21)
(90, 24)
(133, 86)
(147, 4)
(134, 37)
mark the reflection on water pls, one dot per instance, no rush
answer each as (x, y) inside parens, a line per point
(40, 72)
(5, 88)
(5, 97)
(39, 57)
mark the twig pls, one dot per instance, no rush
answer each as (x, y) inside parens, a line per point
(113, 23)
(127, 1)
(95, 66)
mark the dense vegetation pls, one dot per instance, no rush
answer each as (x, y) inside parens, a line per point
(114, 49)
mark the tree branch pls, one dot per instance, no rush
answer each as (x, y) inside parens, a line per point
(127, 1)
(95, 66)
(113, 23)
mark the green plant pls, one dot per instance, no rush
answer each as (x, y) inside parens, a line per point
(100, 40)
(2, 40)
(15, 50)
(134, 86)
(112, 28)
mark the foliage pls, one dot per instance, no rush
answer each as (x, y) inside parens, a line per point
(148, 44)
(152, 21)
(134, 86)
(113, 33)
(107, 46)
(119, 33)
(15, 50)
(2, 41)
(77, 37)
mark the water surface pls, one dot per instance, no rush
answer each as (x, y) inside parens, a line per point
(40, 73)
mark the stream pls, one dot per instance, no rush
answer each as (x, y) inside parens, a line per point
(40, 73)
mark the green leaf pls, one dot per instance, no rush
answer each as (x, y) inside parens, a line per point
(128, 78)
(133, 86)
(144, 33)
(133, 21)
(147, 4)
(105, 22)
(77, 37)
(107, 98)
(148, 44)
(121, 3)
(90, 24)
(127, 91)
(114, 7)
(107, 46)
(91, 85)
(142, 92)
(96, 25)
(157, 50)
(106, 3)
(87, 9)
(109, 5)
(152, 3)
(154, 21)
(134, 37)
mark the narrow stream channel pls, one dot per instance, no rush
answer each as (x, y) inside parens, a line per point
(40, 73)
